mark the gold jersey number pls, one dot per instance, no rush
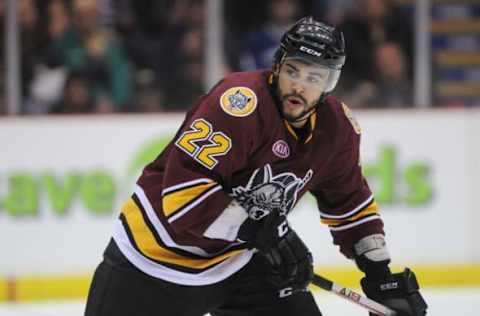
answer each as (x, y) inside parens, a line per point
(202, 144)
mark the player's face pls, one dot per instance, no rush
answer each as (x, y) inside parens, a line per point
(300, 86)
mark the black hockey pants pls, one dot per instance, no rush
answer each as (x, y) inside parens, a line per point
(119, 289)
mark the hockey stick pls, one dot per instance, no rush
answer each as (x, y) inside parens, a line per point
(352, 296)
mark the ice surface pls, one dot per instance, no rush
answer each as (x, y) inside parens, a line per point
(442, 302)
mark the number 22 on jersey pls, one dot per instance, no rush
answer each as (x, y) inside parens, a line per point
(202, 144)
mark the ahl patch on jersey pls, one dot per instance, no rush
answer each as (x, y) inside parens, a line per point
(239, 101)
(351, 118)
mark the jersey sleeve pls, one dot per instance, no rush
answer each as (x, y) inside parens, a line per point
(210, 147)
(344, 199)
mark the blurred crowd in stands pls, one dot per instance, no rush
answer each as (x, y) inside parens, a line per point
(104, 56)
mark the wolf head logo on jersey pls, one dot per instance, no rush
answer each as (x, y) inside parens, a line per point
(265, 192)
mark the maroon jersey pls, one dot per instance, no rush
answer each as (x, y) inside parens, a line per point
(234, 148)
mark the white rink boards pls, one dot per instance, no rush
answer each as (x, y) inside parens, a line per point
(423, 166)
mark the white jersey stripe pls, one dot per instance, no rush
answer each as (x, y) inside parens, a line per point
(186, 184)
(161, 230)
(215, 274)
(206, 194)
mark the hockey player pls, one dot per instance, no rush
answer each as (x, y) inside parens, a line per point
(206, 229)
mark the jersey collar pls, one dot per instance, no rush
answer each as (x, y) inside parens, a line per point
(312, 123)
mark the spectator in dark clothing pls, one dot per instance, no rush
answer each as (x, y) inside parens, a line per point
(172, 46)
(142, 25)
(186, 83)
(262, 43)
(148, 95)
(376, 22)
(77, 97)
(334, 11)
(182, 74)
(394, 89)
(391, 87)
(84, 45)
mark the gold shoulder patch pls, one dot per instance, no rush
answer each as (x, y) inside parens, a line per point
(239, 101)
(351, 118)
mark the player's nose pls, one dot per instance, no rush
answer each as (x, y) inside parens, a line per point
(298, 87)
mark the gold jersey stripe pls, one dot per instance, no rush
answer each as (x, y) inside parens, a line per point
(371, 209)
(313, 122)
(174, 201)
(290, 129)
(148, 246)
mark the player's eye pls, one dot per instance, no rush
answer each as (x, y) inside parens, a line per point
(313, 79)
(292, 73)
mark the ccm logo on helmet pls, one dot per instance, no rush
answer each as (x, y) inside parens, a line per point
(310, 51)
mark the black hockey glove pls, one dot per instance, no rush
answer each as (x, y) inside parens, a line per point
(399, 291)
(291, 261)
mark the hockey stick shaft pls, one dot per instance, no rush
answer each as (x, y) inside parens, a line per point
(352, 296)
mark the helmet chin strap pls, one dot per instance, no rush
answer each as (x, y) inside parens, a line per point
(303, 116)
(306, 113)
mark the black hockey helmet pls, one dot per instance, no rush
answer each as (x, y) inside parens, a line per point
(315, 42)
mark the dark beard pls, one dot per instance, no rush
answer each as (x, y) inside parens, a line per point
(275, 92)
(306, 109)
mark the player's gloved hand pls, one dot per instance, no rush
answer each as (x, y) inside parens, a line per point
(399, 291)
(291, 261)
